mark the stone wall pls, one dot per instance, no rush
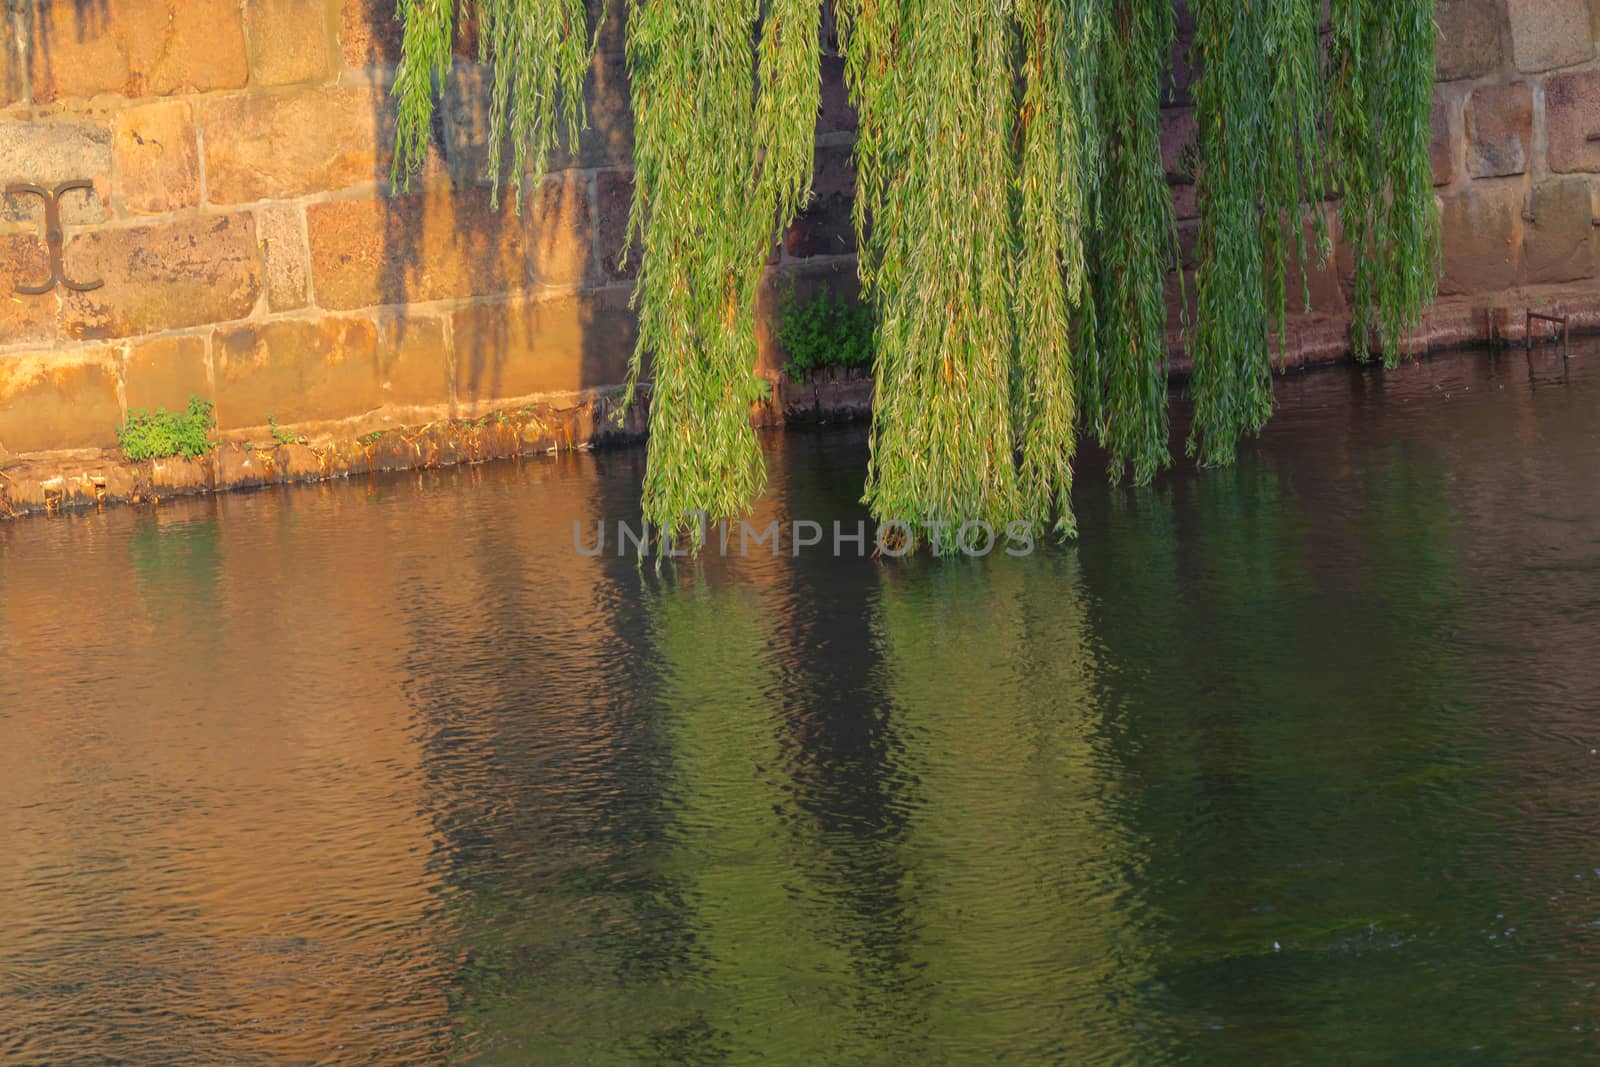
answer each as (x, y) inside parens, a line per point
(1516, 163)
(251, 251)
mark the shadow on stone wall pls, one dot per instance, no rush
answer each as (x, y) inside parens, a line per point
(550, 309)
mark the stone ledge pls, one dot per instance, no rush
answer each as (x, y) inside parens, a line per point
(45, 482)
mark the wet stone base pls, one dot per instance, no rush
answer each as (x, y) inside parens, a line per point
(47, 482)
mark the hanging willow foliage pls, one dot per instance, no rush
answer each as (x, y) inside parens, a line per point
(722, 158)
(1256, 102)
(938, 259)
(1056, 186)
(1122, 369)
(540, 50)
(1015, 226)
(1381, 80)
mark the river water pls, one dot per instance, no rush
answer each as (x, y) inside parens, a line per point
(1290, 763)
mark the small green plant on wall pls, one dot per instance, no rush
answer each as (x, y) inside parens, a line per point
(279, 434)
(160, 434)
(824, 332)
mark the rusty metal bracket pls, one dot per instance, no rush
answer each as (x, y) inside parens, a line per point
(53, 236)
(1563, 321)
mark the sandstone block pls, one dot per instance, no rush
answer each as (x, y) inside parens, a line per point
(165, 372)
(287, 41)
(1482, 231)
(157, 158)
(136, 47)
(11, 80)
(609, 139)
(825, 227)
(1547, 34)
(838, 115)
(52, 150)
(296, 371)
(276, 145)
(1183, 58)
(369, 33)
(610, 18)
(280, 230)
(433, 245)
(53, 400)
(1572, 121)
(1441, 147)
(1471, 38)
(162, 277)
(1500, 129)
(561, 229)
(1560, 238)
(25, 318)
(413, 360)
(614, 191)
(1178, 142)
(527, 347)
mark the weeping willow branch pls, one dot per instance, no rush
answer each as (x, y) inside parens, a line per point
(1056, 180)
(1256, 107)
(424, 59)
(940, 259)
(1122, 374)
(1381, 80)
(722, 157)
(539, 52)
(1015, 227)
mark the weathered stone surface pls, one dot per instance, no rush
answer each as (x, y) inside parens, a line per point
(161, 277)
(165, 372)
(615, 196)
(606, 142)
(1572, 121)
(609, 139)
(158, 158)
(1482, 229)
(1441, 146)
(280, 229)
(11, 80)
(273, 145)
(413, 360)
(528, 347)
(288, 41)
(1547, 34)
(136, 47)
(1178, 134)
(612, 24)
(837, 115)
(1183, 57)
(296, 371)
(825, 226)
(369, 33)
(426, 246)
(1471, 37)
(1499, 129)
(52, 150)
(23, 259)
(561, 229)
(53, 400)
(1560, 238)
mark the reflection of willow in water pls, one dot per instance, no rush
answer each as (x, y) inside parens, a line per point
(761, 979)
(1261, 817)
(1017, 879)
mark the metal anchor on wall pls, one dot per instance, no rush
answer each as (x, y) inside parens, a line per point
(53, 236)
